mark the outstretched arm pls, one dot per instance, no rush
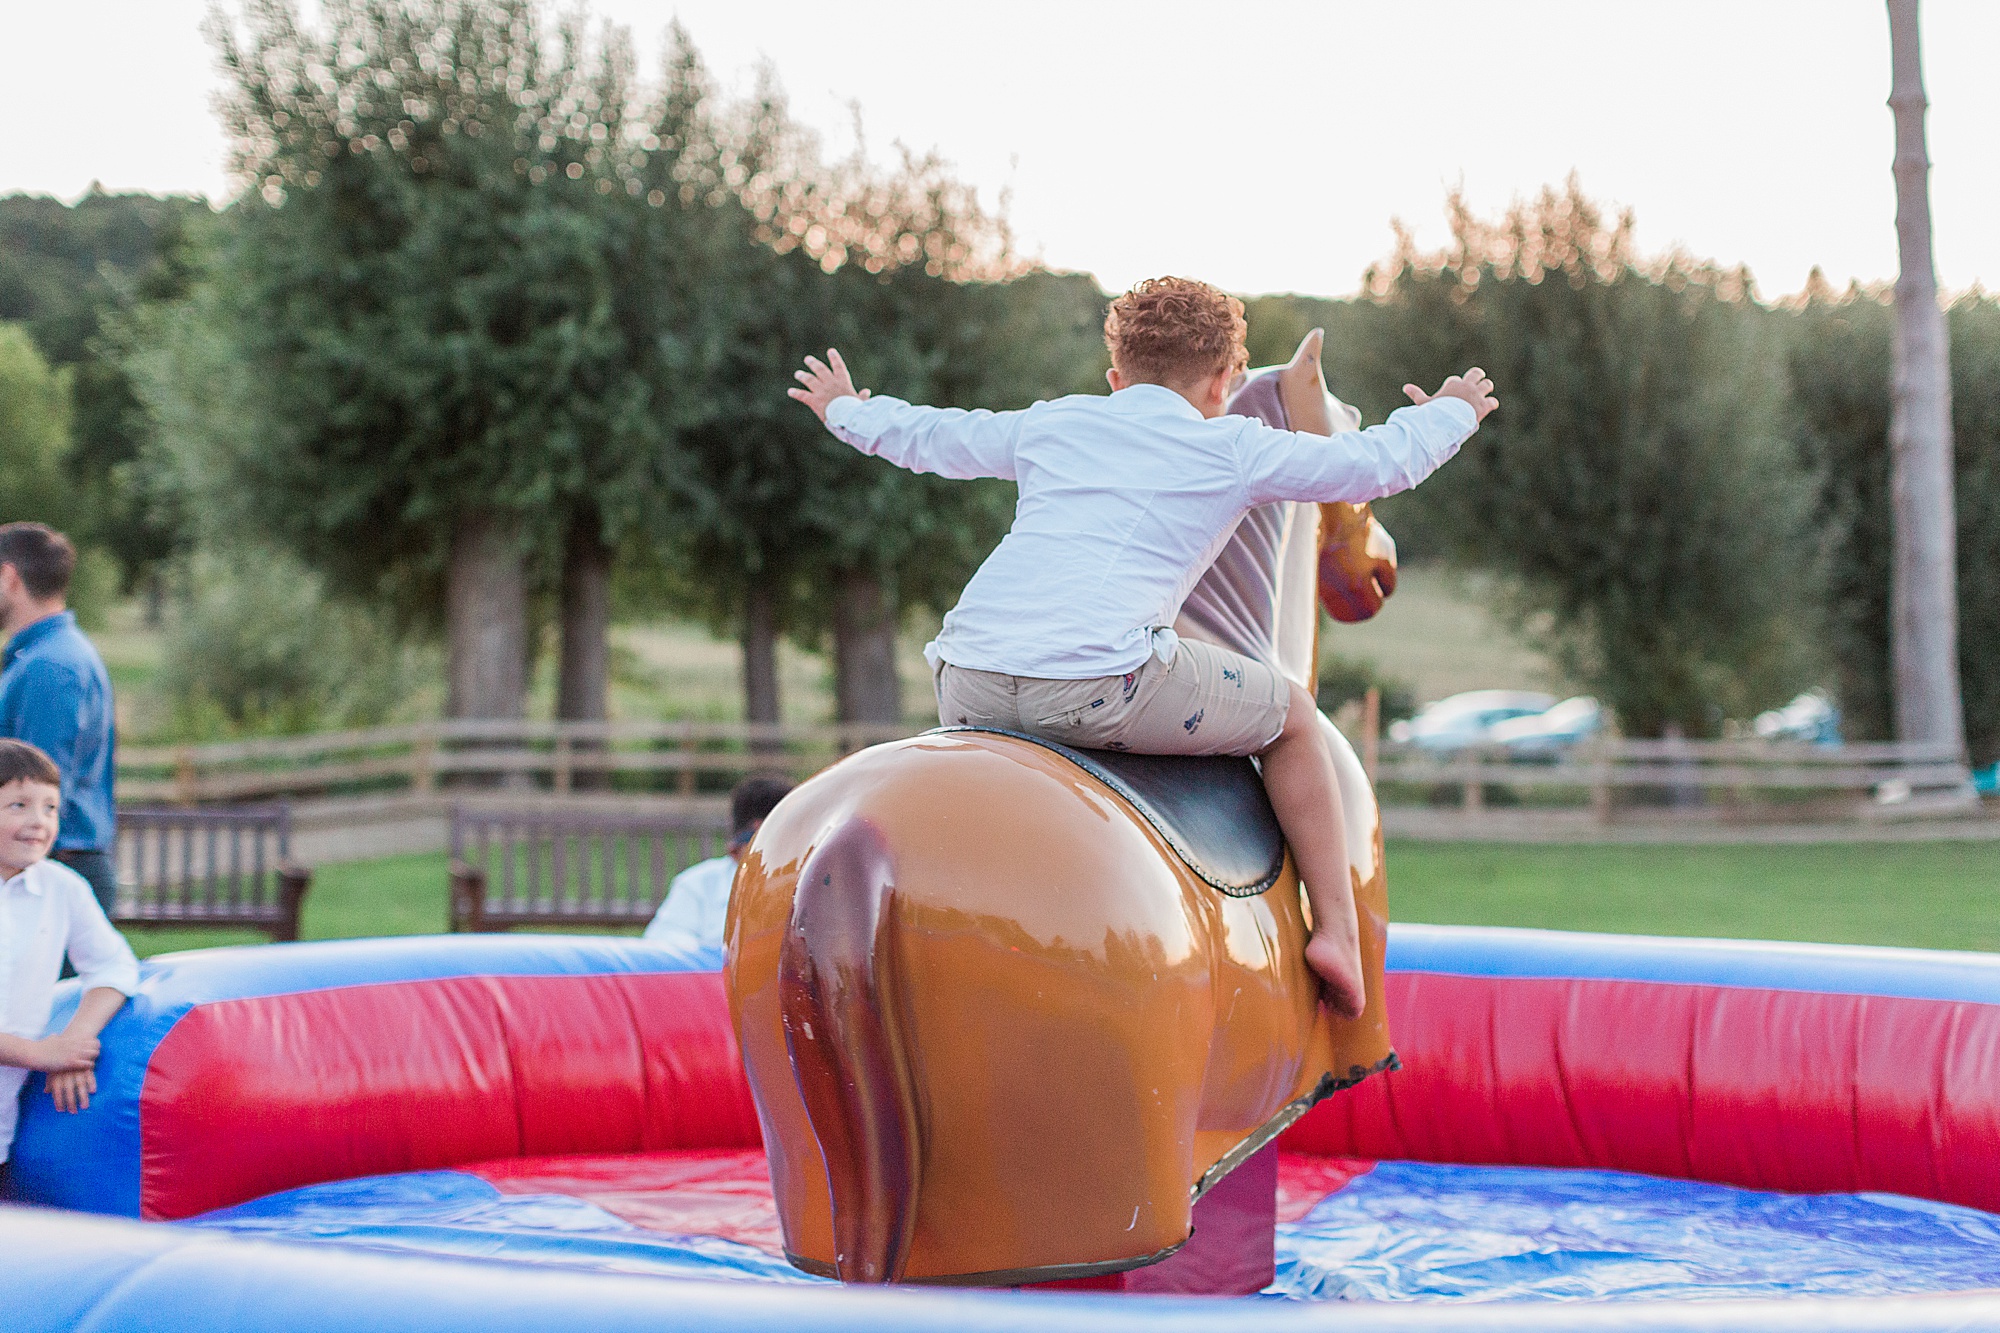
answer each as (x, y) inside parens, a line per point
(1357, 466)
(949, 441)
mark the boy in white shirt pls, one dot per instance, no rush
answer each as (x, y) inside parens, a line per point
(1065, 630)
(48, 910)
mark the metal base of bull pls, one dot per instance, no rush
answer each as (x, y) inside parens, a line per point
(1233, 1249)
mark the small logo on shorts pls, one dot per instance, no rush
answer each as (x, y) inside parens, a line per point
(1098, 703)
(1231, 673)
(1195, 721)
(1116, 745)
(1131, 685)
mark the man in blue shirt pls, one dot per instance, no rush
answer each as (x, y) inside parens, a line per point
(55, 694)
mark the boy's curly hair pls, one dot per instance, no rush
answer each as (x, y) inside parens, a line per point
(1173, 330)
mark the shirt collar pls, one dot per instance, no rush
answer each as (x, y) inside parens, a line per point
(27, 879)
(1146, 398)
(33, 634)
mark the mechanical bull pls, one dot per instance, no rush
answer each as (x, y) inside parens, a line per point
(1010, 1009)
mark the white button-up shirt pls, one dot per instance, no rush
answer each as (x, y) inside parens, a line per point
(697, 904)
(1124, 502)
(48, 911)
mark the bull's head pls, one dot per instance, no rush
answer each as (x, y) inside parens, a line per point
(1357, 557)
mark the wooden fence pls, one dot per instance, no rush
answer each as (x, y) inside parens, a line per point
(682, 757)
(421, 758)
(1608, 770)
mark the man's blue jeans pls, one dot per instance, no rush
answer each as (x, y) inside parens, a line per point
(99, 868)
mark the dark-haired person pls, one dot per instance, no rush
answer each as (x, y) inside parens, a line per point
(698, 899)
(47, 914)
(55, 694)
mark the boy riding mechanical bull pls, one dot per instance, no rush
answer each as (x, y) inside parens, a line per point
(1136, 1018)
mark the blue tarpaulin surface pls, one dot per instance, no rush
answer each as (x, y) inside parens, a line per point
(1406, 1231)
(454, 1214)
(1411, 1231)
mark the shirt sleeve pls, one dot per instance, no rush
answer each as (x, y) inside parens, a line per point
(950, 441)
(97, 951)
(1354, 466)
(51, 712)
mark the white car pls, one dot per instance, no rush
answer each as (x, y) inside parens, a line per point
(1466, 719)
(1547, 735)
(1810, 717)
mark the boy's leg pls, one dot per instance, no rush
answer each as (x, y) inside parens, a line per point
(1305, 793)
(1213, 701)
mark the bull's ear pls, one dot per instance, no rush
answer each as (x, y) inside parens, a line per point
(1304, 390)
(1308, 353)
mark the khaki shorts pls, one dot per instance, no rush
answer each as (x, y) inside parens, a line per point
(1209, 701)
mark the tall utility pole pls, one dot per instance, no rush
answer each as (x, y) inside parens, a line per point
(1923, 606)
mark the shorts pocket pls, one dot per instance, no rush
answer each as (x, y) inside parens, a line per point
(1089, 713)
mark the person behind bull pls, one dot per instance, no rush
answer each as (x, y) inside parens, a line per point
(1065, 632)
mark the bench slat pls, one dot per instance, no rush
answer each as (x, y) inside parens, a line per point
(538, 866)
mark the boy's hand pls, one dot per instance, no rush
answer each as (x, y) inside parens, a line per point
(64, 1053)
(72, 1089)
(824, 383)
(1472, 386)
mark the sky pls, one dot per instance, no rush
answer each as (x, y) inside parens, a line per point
(1265, 145)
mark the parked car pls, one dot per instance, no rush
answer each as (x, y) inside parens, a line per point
(1811, 717)
(1461, 720)
(1546, 735)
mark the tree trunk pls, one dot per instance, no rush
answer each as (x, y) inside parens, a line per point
(760, 656)
(1923, 592)
(583, 670)
(583, 679)
(865, 685)
(486, 620)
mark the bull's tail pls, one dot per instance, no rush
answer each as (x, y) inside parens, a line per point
(837, 986)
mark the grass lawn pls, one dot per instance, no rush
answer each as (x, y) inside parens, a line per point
(1939, 895)
(1929, 895)
(396, 895)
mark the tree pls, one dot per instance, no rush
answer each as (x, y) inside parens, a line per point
(1839, 366)
(463, 380)
(69, 274)
(789, 531)
(1633, 491)
(34, 434)
(1923, 601)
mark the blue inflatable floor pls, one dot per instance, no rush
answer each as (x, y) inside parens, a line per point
(1403, 1232)
(1408, 1231)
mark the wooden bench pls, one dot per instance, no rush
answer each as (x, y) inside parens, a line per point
(563, 867)
(226, 868)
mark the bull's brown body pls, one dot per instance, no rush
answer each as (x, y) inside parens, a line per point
(1086, 1028)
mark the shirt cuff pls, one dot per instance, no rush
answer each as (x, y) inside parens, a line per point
(841, 410)
(121, 977)
(1468, 420)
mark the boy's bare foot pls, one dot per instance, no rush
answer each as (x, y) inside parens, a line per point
(1337, 963)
